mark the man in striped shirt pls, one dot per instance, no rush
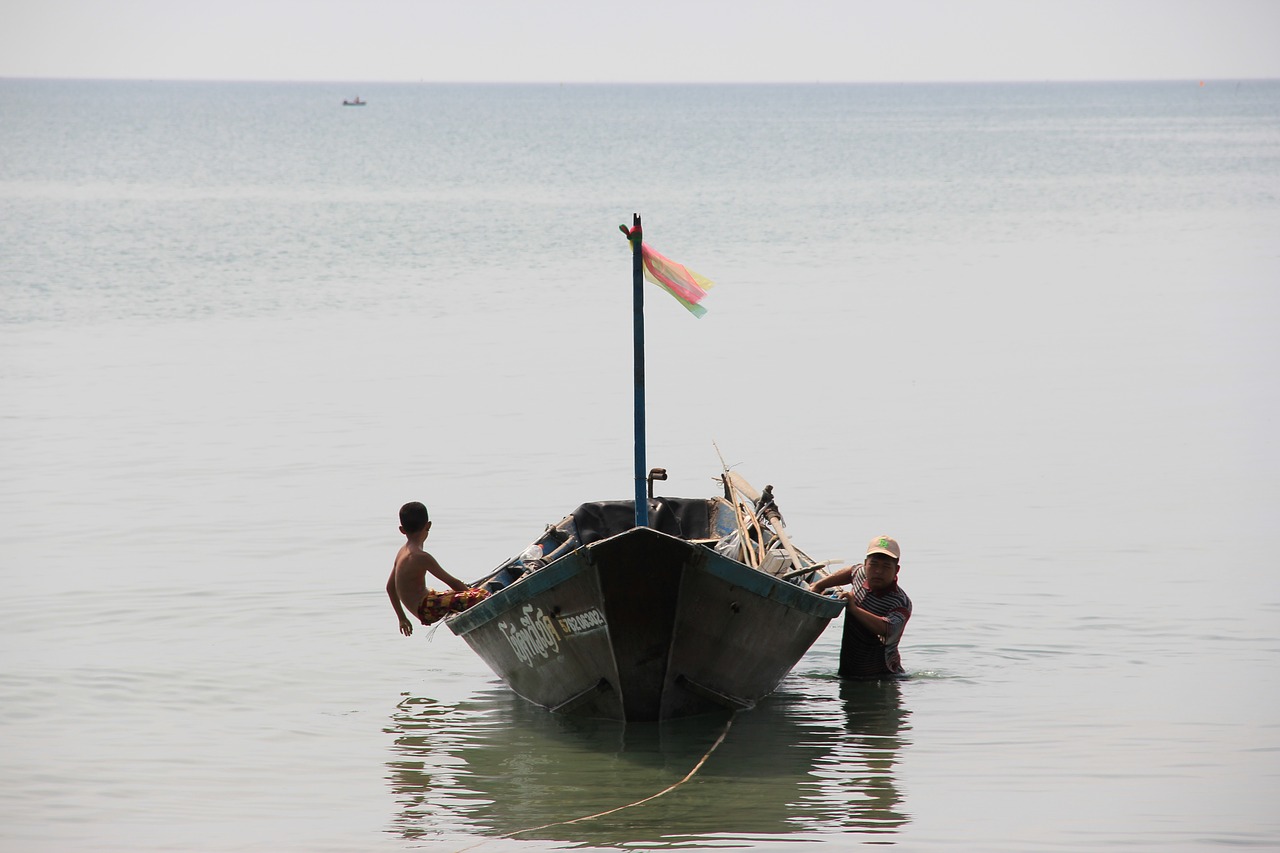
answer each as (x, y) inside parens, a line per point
(878, 611)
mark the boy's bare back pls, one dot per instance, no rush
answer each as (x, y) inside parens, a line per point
(410, 571)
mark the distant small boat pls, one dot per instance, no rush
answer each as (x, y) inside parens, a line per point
(356, 103)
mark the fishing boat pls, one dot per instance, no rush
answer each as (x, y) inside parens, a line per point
(706, 608)
(653, 608)
(356, 103)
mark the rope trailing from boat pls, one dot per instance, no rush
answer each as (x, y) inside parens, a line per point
(650, 798)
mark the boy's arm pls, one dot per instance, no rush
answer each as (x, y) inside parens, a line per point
(406, 627)
(436, 569)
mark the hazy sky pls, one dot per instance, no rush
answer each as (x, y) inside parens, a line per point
(653, 40)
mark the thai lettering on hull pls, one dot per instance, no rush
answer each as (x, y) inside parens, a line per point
(534, 636)
(537, 636)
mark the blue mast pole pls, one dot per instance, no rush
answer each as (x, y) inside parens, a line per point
(637, 322)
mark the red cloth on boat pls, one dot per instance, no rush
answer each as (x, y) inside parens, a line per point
(437, 605)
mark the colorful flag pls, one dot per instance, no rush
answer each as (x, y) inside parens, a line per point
(684, 284)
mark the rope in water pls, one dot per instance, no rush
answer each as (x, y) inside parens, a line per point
(651, 797)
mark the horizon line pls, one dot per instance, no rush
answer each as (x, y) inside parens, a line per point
(819, 82)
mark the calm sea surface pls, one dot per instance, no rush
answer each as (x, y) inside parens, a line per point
(1030, 330)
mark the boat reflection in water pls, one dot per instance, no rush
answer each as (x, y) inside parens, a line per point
(813, 761)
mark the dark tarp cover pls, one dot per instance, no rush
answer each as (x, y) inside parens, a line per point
(686, 518)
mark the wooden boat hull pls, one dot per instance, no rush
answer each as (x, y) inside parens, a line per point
(644, 626)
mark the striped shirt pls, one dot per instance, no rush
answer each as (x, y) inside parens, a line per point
(862, 652)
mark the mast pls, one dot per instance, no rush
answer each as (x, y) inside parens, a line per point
(636, 236)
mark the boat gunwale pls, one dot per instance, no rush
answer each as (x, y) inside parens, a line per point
(532, 584)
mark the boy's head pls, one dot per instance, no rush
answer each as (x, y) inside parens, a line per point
(413, 517)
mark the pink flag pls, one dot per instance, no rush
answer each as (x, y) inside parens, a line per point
(681, 282)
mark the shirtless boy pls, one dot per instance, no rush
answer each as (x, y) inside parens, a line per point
(408, 581)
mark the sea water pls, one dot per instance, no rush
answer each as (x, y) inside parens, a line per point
(1029, 330)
